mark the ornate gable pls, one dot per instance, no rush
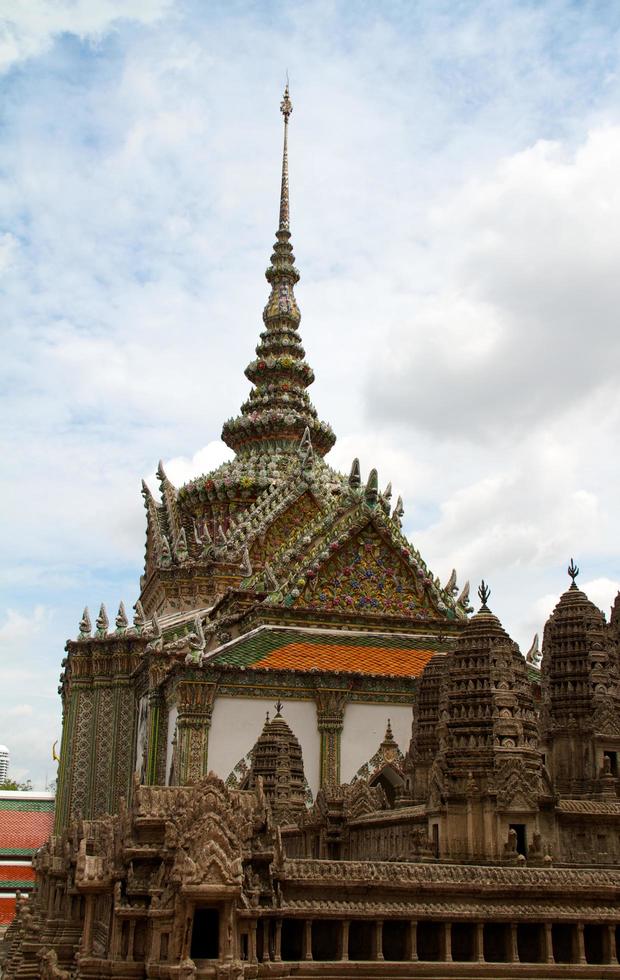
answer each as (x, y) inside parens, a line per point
(367, 573)
(284, 527)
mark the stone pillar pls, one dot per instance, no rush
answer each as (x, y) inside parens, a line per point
(513, 952)
(612, 952)
(266, 956)
(306, 951)
(378, 950)
(156, 712)
(252, 950)
(579, 944)
(344, 940)
(479, 947)
(277, 954)
(132, 934)
(195, 706)
(89, 921)
(447, 942)
(548, 952)
(227, 940)
(413, 940)
(330, 718)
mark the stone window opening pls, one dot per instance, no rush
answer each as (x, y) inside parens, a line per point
(395, 938)
(530, 944)
(430, 941)
(496, 939)
(205, 944)
(613, 762)
(360, 940)
(292, 939)
(563, 942)
(520, 831)
(326, 939)
(594, 943)
(463, 942)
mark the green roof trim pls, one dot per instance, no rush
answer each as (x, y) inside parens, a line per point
(251, 649)
(28, 806)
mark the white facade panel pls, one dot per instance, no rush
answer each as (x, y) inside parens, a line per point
(364, 730)
(237, 723)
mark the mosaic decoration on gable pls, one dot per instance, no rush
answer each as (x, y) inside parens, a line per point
(366, 574)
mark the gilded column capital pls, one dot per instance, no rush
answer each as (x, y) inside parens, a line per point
(330, 707)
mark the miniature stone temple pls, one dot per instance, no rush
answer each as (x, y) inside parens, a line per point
(305, 756)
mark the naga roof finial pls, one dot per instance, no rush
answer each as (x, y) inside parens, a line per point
(484, 593)
(286, 107)
(573, 571)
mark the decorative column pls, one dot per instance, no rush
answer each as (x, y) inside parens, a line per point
(581, 949)
(132, 936)
(277, 955)
(344, 940)
(549, 957)
(266, 956)
(252, 950)
(379, 939)
(306, 952)
(447, 942)
(612, 952)
(155, 726)
(195, 706)
(479, 953)
(413, 940)
(330, 707)
(87, 932)
(514, 944)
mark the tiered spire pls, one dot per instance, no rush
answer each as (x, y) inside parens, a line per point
(274, 417)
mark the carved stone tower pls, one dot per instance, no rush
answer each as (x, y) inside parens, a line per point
(580, 718)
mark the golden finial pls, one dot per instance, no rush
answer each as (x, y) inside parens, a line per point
(286, 107)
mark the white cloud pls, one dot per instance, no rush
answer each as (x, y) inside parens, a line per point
(29, 29)
(514, 336)
(20, 711)
(181, 469)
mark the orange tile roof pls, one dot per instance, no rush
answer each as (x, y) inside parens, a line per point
(275, 648)
(399, 661)
(23, 831)
(7, 909)
(16, 876)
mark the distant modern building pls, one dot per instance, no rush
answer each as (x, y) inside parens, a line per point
(4, 762)
(26, 821)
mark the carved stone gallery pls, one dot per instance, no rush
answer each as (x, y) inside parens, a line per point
(305, 756)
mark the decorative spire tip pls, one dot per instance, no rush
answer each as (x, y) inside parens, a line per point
(286, 106)
(573, 571)
(484, 593)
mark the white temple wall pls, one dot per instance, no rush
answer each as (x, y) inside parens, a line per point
(237, 723)
(364, 730)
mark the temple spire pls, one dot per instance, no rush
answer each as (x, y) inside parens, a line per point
(278, 411)
(286, 108)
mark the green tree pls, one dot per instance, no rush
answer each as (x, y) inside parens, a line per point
(12, 785)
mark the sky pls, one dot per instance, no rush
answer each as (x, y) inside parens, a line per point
(455, 214)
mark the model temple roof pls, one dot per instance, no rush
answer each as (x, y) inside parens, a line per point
(269, 648)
